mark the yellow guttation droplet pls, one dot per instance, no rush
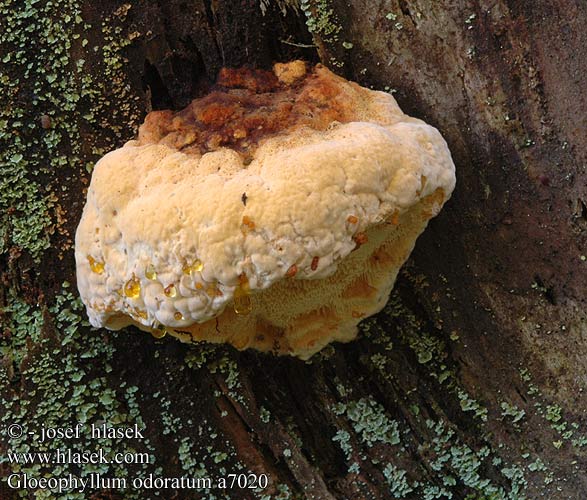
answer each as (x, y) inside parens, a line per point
(214, 291)
(242, 304)
(170, 290)
(150, 272)
(96, 266)
(242, 296)
(159, 331)
(199, 286)
(178, 316)
(132, 288)
(195, 267)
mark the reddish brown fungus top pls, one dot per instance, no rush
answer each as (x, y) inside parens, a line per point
(248, 105)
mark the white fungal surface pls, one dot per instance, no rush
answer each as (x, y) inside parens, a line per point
(166, 238)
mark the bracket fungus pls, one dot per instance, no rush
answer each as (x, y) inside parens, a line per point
(274, 213)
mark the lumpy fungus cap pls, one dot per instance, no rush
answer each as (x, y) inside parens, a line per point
(273, 213)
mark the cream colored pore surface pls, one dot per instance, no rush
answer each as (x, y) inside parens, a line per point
(285, 252)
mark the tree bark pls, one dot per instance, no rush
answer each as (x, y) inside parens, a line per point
(469, 385)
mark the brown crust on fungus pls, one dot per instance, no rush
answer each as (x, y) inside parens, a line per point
(247, 106)
(255, 80)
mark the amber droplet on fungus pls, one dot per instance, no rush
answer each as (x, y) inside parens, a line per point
(195, 267)
(159, 331)
(242, 296)
(150, 272)
(95, 265)
(132, 288)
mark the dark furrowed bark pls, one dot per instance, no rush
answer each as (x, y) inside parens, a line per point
(469, 385)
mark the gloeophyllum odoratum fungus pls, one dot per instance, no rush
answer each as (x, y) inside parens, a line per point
(273, 213)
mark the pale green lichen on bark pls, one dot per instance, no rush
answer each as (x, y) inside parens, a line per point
(399, 486)
(36, 40)
(404, 328)
(63, 392)
(323, 23)
(24, 324)
(369, 421)
(455, 463)
(567, 432)
(46, 94)
(320, 19)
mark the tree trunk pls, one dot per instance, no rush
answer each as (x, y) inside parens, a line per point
(469, 385)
